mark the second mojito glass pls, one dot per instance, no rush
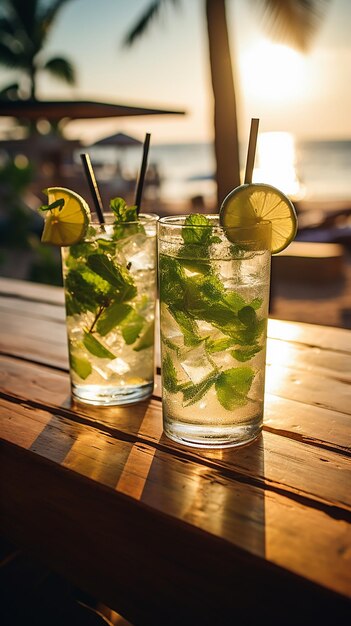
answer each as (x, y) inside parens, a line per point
(214, 293)
(110, 294)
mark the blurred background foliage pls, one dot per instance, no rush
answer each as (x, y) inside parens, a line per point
(20, 227)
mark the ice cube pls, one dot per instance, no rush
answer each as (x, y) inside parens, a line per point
(169, 327)
(196, 364)
(102, 372)
(118, 366)
(137, 252)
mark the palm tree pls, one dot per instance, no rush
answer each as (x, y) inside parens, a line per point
(24, 28)
(291, 21)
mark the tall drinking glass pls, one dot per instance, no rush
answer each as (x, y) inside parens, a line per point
(110, 295)
(214, 294)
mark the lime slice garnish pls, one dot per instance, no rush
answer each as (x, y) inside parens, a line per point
(256, 202)
(67, 224)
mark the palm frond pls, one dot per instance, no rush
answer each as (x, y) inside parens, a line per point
(6, 27)
(61, 68)
(9, 58)
(151, 13)
(17, 24)
(10, 92)
(23, 14)
(293, 22)
(49, 13)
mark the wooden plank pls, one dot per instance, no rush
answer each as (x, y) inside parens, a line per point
(308, 423)
(31, 309)
(310, 388)
(301, 357)
(42, 330)
(313, 335)
(289, 465)
(50, 350)
(189, 519)
(31, 291)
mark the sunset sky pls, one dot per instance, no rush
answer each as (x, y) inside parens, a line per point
(307, 95)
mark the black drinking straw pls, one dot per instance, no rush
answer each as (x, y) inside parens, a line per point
(139, 190)
(251, 151)
(89, 172)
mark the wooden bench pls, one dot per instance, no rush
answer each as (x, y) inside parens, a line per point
(310, 262)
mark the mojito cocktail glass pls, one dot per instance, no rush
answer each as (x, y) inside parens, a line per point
(110, 295)
(214, 294)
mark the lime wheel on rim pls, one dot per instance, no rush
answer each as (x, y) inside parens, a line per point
(256, 202)
(67, 222)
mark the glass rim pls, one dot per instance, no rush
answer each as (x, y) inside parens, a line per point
(146, 217)
(175, 221)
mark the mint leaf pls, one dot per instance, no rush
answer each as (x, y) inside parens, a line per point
(256, 303)
(246, 352)
(95, 347)
(250, 335)
(80, 250)
(80, 366)
(112, 316)
(200, 266)
(197, 237)
(169, 375)
(218, 345)
(172, 281)
(57, 204)
(126, 219)
(146, 340)
(234, 301)
(194, 393)
(116, 275)
(123, 212)
(233, 385)
(170, 344)
(85, 291)
(73, 307)
(131, 327)
(202, 299)
(248, 316)
(187, 325)
(197, 229)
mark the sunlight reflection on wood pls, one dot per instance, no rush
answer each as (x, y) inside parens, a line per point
(299, 541)
(135, 471)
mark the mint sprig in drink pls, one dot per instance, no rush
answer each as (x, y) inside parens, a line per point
(110, 286)
(213, 310)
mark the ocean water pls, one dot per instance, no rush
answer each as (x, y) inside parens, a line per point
(321, 169)
(324, 167)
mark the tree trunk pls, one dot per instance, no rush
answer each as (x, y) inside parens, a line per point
(32, 81)
(225, 115)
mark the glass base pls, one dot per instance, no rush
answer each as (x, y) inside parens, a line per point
(212, 437)
(99, 395)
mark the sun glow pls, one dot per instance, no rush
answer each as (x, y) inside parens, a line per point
(276, 163)
(272, 72)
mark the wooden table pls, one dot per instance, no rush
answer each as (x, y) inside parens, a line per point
(170, 535)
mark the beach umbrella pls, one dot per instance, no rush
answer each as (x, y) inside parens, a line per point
(119, 140)
(55, 111)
